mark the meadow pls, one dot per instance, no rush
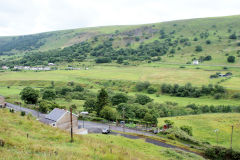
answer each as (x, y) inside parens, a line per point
(204, 127)
(26, 138)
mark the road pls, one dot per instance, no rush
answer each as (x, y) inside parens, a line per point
(31, 111)
(95, 127)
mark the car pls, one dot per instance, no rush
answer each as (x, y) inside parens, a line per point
(106, 131)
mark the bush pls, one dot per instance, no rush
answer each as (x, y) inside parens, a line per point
(233, 36)
(218, 96)
(231, 59)
(140, 86)
(198, 48)
(187, 129)
(23, 113)
(208, 42)
(103, 60)
(151, 90)
(236, 95)
(221, 153)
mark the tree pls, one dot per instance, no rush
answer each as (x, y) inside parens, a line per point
(148, 117)
(233, 36)
(49, 94)
(109, 113)
(208, 42)
(102, 100)
(143, 99)
(78, 88)
(119, 98)
(140, 86)
(231, 59)
(90, 105)
(198, 48)
(29, 95)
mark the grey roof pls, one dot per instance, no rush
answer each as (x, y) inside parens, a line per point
(46, 121)
(56, 114)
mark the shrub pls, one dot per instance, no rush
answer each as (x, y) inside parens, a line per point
(140, 86)
(231, 59)
(236, 95)
(187, 129)
(151, 90)
(208, 42)
(23, 113)
(218, 96)
(119, 98)
(103, 60)
(233, 36)
(198, 48)
(221, 153)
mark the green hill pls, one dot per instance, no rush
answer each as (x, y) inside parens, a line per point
(210, 40)
(26, 138)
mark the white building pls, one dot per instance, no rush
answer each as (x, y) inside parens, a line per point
(195, 62)
(5, 67)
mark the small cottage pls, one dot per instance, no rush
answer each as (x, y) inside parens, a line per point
(195, 62)
(60, 118)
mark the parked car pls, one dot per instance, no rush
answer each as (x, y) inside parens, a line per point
(106, 131)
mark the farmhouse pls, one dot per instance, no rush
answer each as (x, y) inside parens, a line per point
(195, 62)
(60, 118)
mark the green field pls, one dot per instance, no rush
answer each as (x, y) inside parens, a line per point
(205, 124)
(45, 142)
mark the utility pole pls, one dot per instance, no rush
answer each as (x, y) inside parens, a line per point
(123, 119)
(217, 132)
(231, 137)
(83, 121)
(71, 125)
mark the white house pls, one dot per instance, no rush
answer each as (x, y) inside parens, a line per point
(5, 67)
(195, 62)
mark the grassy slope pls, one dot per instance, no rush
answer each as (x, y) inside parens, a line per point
(45, 142)
(216, 27)
(205, 124)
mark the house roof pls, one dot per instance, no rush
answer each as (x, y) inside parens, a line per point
(56, 114)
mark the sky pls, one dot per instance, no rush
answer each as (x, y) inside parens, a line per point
(20, 17)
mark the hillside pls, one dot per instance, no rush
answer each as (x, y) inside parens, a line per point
(205, 124)
(210, 40)
(44, 142)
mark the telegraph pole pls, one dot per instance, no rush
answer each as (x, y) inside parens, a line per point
(124, 119)
(71, 125)
(231, 137)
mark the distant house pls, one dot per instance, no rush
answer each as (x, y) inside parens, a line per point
(60, 118)
(2, 102)
(5, 67)
(195, 62)
(51, 64)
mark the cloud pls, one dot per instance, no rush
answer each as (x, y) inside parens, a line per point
(33, 16)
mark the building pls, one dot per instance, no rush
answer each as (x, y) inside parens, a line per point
(2, 102)
(5, 67)
(60, 118)
(195, 62)
(51, 64)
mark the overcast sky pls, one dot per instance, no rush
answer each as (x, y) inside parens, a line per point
(19, 17)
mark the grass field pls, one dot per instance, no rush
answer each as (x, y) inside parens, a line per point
(161, 74)
(155, 73)
(45, 142)
(205, 124)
